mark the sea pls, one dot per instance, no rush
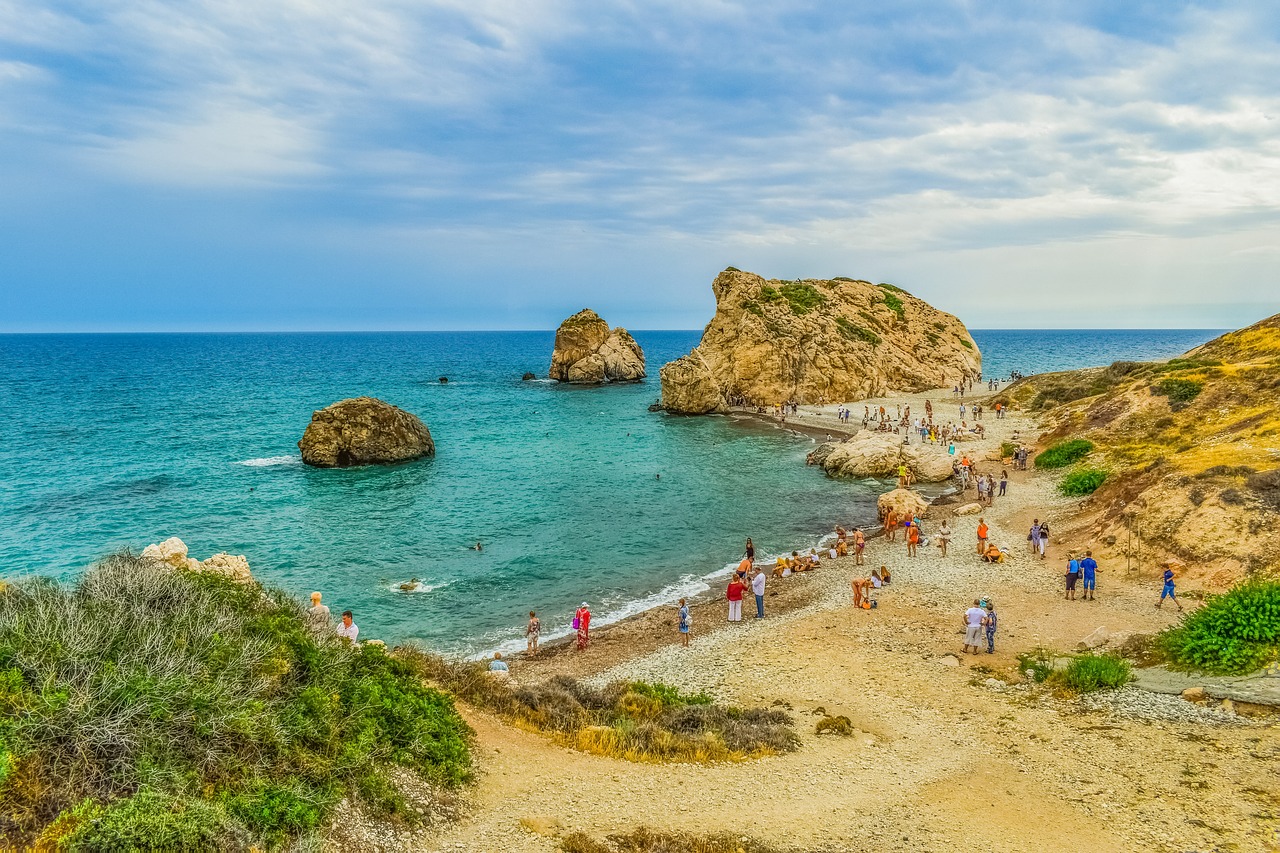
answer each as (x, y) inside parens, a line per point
(115, 441)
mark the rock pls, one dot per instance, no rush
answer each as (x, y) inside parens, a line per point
(1227, 706)
(233, 566)
(818, 456)
(444, 380)
(655, 407)
(771, 341)
(1099, 637)
(172, 551)
(528, 377)
(969, 509)
(949, 660)
(364, 431)
(587, 353)
(878, 454)
(904, 502)
(1195, 694)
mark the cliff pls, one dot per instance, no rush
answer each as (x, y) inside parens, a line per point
(816, 340)
(587, 353)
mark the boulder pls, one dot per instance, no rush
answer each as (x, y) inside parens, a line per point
(818, 456)
(771, 341)
(1099, 637)
(587, 353)
(364, 431)
(528, 377)
(233, 566)
(969, 509)
(1195, 694)
(172, 553)
(904, 502)
(878, 454)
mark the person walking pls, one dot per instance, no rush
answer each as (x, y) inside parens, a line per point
(1034, 537)
(1168, 590)
(891, 524)
(686, 621)
(983, 533)
(532, 632)
(582, 625)
(734, 595)
(973, 618)
(1089, 575)
(990, 624)
(1073, 575)
(757, 589)
(1004, 481)
(944, 536)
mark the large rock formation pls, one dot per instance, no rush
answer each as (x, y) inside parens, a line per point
(878, 454)
(904, 503)
(813, 341)
(172, 552)
(588, 353)
(364, 431)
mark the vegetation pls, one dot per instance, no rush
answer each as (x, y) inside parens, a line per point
(854, 332)
(1178, 390)
(802, 297)
(840, 725)
(1234, 633)
(732, 269)
(1064, 453)
(648, 841)
(893, 288)
(635, 721)
(964, 342)
(753, 307)
(895, 305)
(1090, 672)
(1082, 481)
(146, 708)
(1007, 449)
(1037, 663)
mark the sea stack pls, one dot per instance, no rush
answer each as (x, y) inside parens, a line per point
(816, 340)
(588, 353)
(364, 431)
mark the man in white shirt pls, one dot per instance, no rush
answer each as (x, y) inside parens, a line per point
(348, 628)
(757, 587)
(973, 627)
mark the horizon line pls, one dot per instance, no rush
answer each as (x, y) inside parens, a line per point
(530, 331)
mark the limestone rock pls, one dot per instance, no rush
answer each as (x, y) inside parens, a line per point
(818, 456)
(878, 454)
(817, 340)
(969, 509)
(1195, 694)
(364, 431)
(904, 503)
(172, 551)
(588, 353)
(233, 566)
(1099, 637)
(528, 377)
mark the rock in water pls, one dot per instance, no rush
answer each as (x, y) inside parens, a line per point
(364, 431)
(839, 340)
(588, 353)
(528, 377)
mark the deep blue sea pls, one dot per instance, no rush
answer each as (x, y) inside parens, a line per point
(114, 441)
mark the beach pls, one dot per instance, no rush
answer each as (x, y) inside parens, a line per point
(947, 747)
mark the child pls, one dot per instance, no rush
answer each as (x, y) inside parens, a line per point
(990, 623)
(685, 622)
(1168, 591)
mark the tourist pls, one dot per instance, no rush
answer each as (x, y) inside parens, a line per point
(1004, 481)
(477, 547)
(861, 592)
(973, 619)
(1168, 590)
(1044, 538)
(531, 633)
(859, 545)
(983, 532)
(1089, 575)
(734, 595)
(1073, 575)
(990, 623)
(743, 567)
(884, 574)
(993, 554)
(348, 628)
(582, 625)
(904, 476)
(781, 569)
(1037, 544)
(751, 550)
(685, 622)
(876, 581)
(913, 538)
(498, 666)
(757, 588)
(412, 585)
(891, 524)
(944, 537)
(317, 612)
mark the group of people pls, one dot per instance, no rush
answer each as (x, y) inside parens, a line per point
(978, 620)
(322, 619)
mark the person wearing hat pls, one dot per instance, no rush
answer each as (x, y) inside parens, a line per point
(582, 623)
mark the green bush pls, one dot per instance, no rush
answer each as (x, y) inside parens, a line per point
(1064, 453)
(1178, 390)
(140, 677)
(854, 332)
(1038, 662)
(1091, 672)
(890, 287)
(1234, 633)
(802, 297)
(895, 305)
(669, 696)
(1007, 449)
(154, 821)
(964, 342)
(1082, 481)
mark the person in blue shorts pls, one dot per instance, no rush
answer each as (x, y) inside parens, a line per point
(1088, 575)
(684, 623)
(1168, 591)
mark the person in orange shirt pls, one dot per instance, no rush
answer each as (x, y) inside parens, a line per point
(982, 536)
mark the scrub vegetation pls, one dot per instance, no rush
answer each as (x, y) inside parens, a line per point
(636, 721)
(649, 841)
(1064, 453)
(1232, 634)
(143, 708)
(1090, 672)
(1082, 481)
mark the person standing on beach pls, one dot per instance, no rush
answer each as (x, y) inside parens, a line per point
(1089, 575)
(751, 551)
(531, 633)
(913, 538)
(944, 536)
(734, 595)
(990, 624)
(685, 623)
(859, 545)
(1168, 590)
(1004, 481)
(757, 588)
(973, 619)
(1073, 575)
(582, 625)
(983, 533)
(891, 524)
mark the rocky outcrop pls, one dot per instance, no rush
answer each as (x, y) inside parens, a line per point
(588, 353)
(816, 340)
(904, 503)
(172, 552)
(364, 431)
(878, 454)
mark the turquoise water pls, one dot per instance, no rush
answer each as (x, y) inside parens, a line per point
(121, 440)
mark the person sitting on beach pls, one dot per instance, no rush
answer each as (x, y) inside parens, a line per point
(499, 667)
(781, 569)
(876, 582)
(884, 574)
(842, 549)
(993, 554)
(794, 561)
(813, 557)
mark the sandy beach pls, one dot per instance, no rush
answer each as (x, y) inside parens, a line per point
(948, 747)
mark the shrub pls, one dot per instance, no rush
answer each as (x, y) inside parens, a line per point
(644, 840)
(966, 343)
(1178, 390)
(1038, 662)
(1007, 449)
(802, 297)
(732, 269)
(1090, 672)
(1064, 453)
(139, 677)
(893, 288)
(152, 820)
(895, 305)
(840, 725)
(855, 332)
(1234, 633)
(1082, 481)
(1266, 484)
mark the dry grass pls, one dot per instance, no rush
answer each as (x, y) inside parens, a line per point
(650, 841)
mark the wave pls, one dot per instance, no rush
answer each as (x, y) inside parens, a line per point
(271, 461)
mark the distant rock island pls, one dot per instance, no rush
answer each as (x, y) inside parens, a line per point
(815, 340)
(588, 353)
(364, 431)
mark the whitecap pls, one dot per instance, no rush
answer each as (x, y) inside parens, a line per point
(422, 587)
(270, 461)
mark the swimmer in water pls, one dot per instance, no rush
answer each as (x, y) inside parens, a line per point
(477, 547)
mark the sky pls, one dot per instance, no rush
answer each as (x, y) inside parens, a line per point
(501, 164)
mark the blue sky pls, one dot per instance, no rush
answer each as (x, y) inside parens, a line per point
(476, 164)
